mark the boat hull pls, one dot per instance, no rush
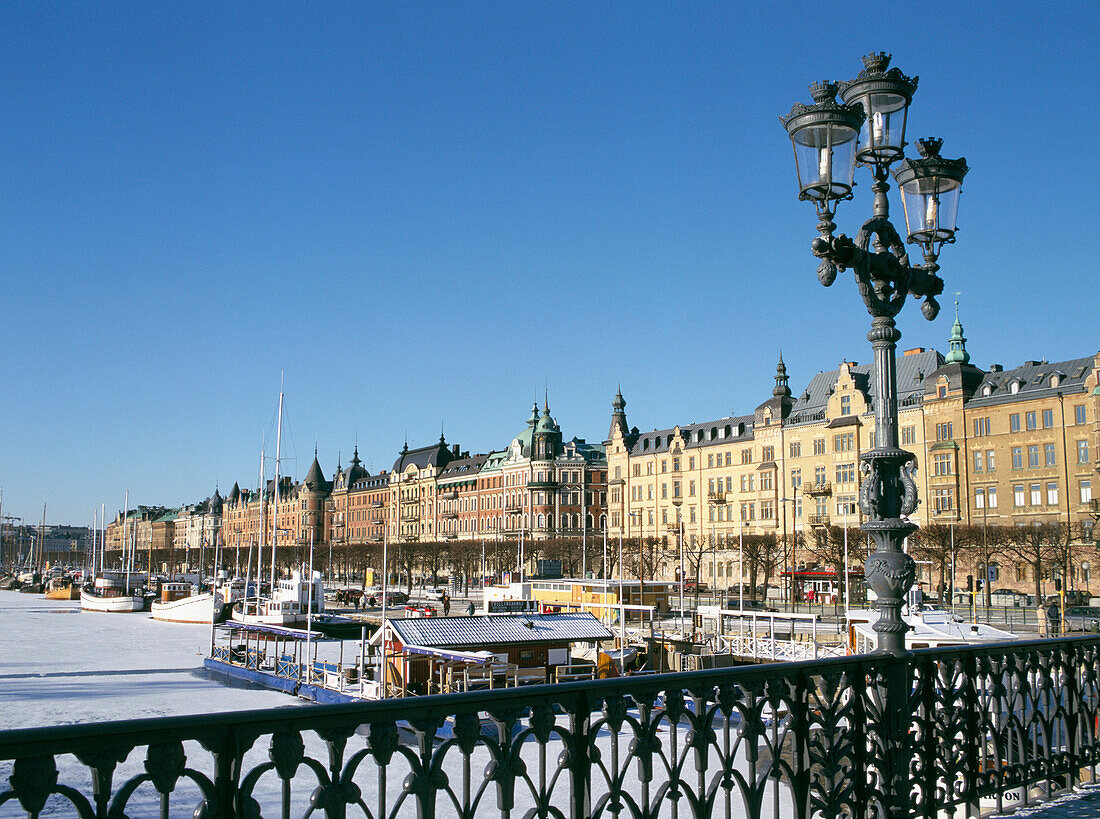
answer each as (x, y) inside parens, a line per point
(69, 593)
(198, 608)
(123, 603)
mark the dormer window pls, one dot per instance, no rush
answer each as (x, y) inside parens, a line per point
(1055, 379)
(987, 390)
(1014, 387)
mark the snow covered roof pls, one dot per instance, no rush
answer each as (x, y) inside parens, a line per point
(482, 631)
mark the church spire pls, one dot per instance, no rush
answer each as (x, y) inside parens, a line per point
(957, 342)
(781, 390)
(618, 415)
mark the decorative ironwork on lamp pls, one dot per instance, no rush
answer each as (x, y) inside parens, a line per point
(829, 138)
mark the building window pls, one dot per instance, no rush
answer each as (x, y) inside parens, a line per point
(844, 442)
(1079, 414)
(1014, 422)
(981, 427)
(943, 432)
(1085, 488)
(1083, 452)
(1017, 457)
(819, 446)
(819, 475)
(729, 458)
(1018, 495)
(845, 506)
(675, 489)
(908, 435)
(746, 456)
(1029, 419)
(664, 491)
(978, 461)
(675, 464)
(710, 461)
(845, 473)
(664, 466)
(796, 448)
(979, 499)
(767, 453)
(942, 464)
(691, 489)
(767, 480)
(991, 496)
(1033, 456)
(691, 463)
(1052, 494)
(990, 461)
(1036, 494)
(941, 391)
(796, 478)
(1048, 418)
(1048, 453)
(845, 405)
(767, 510)
(943, 500)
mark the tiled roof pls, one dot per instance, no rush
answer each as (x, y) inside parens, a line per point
(500, 629)
(1033, 378)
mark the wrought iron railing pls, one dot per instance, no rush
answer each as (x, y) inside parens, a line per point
(861, 736)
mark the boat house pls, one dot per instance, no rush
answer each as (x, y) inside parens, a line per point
(446, 654)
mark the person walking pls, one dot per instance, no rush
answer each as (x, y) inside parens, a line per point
(446, 605)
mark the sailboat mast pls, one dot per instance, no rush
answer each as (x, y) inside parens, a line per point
(263, 527)
(102, 539)
(275, 509)
(38, 555)
(125, 543)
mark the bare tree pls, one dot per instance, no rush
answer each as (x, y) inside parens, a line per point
(1037, 547)
(696, 551)
(762, 555)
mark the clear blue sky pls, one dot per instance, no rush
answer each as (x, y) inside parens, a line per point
(427, 213)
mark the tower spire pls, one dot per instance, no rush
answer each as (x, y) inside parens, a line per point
(957, 342)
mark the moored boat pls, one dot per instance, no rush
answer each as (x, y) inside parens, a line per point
(62, 588)
(181, 603)
(111, 594)
(289, 605)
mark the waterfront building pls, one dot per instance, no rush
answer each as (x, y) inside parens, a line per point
(1007, 447)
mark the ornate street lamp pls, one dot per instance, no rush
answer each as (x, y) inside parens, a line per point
(829, 138)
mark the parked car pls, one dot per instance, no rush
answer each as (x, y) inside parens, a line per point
(690, 586)
(434, 594)
(1082, 618)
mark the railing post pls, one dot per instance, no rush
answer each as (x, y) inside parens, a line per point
(897, 718)
(580, 762)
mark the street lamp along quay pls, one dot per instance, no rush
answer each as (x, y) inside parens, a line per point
(829, 137)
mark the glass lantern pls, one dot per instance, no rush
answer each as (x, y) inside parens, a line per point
(885, 96)
(824, 138)
(930, 188)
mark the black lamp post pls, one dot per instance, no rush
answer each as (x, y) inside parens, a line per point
(830, 137)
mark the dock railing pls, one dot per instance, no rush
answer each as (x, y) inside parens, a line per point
(934, 732)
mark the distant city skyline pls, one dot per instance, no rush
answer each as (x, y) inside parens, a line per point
(428, 216)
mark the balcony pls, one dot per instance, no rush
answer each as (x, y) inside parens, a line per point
(716, 497)
(376, 505)
(817, 520)
(410, 515)
(841, 741)
(409, 501)
(545, 484)
(818, 489)
(449, 495)
(449, 514)
(514, 509)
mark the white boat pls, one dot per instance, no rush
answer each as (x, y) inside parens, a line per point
(109, 593)
(289, 605)
(182, 603)
(928, 628)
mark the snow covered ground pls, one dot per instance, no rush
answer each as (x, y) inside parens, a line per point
(61, 665)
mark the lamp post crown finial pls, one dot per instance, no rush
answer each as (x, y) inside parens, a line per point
(823, 90)
(929, 146)
(877, 61)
